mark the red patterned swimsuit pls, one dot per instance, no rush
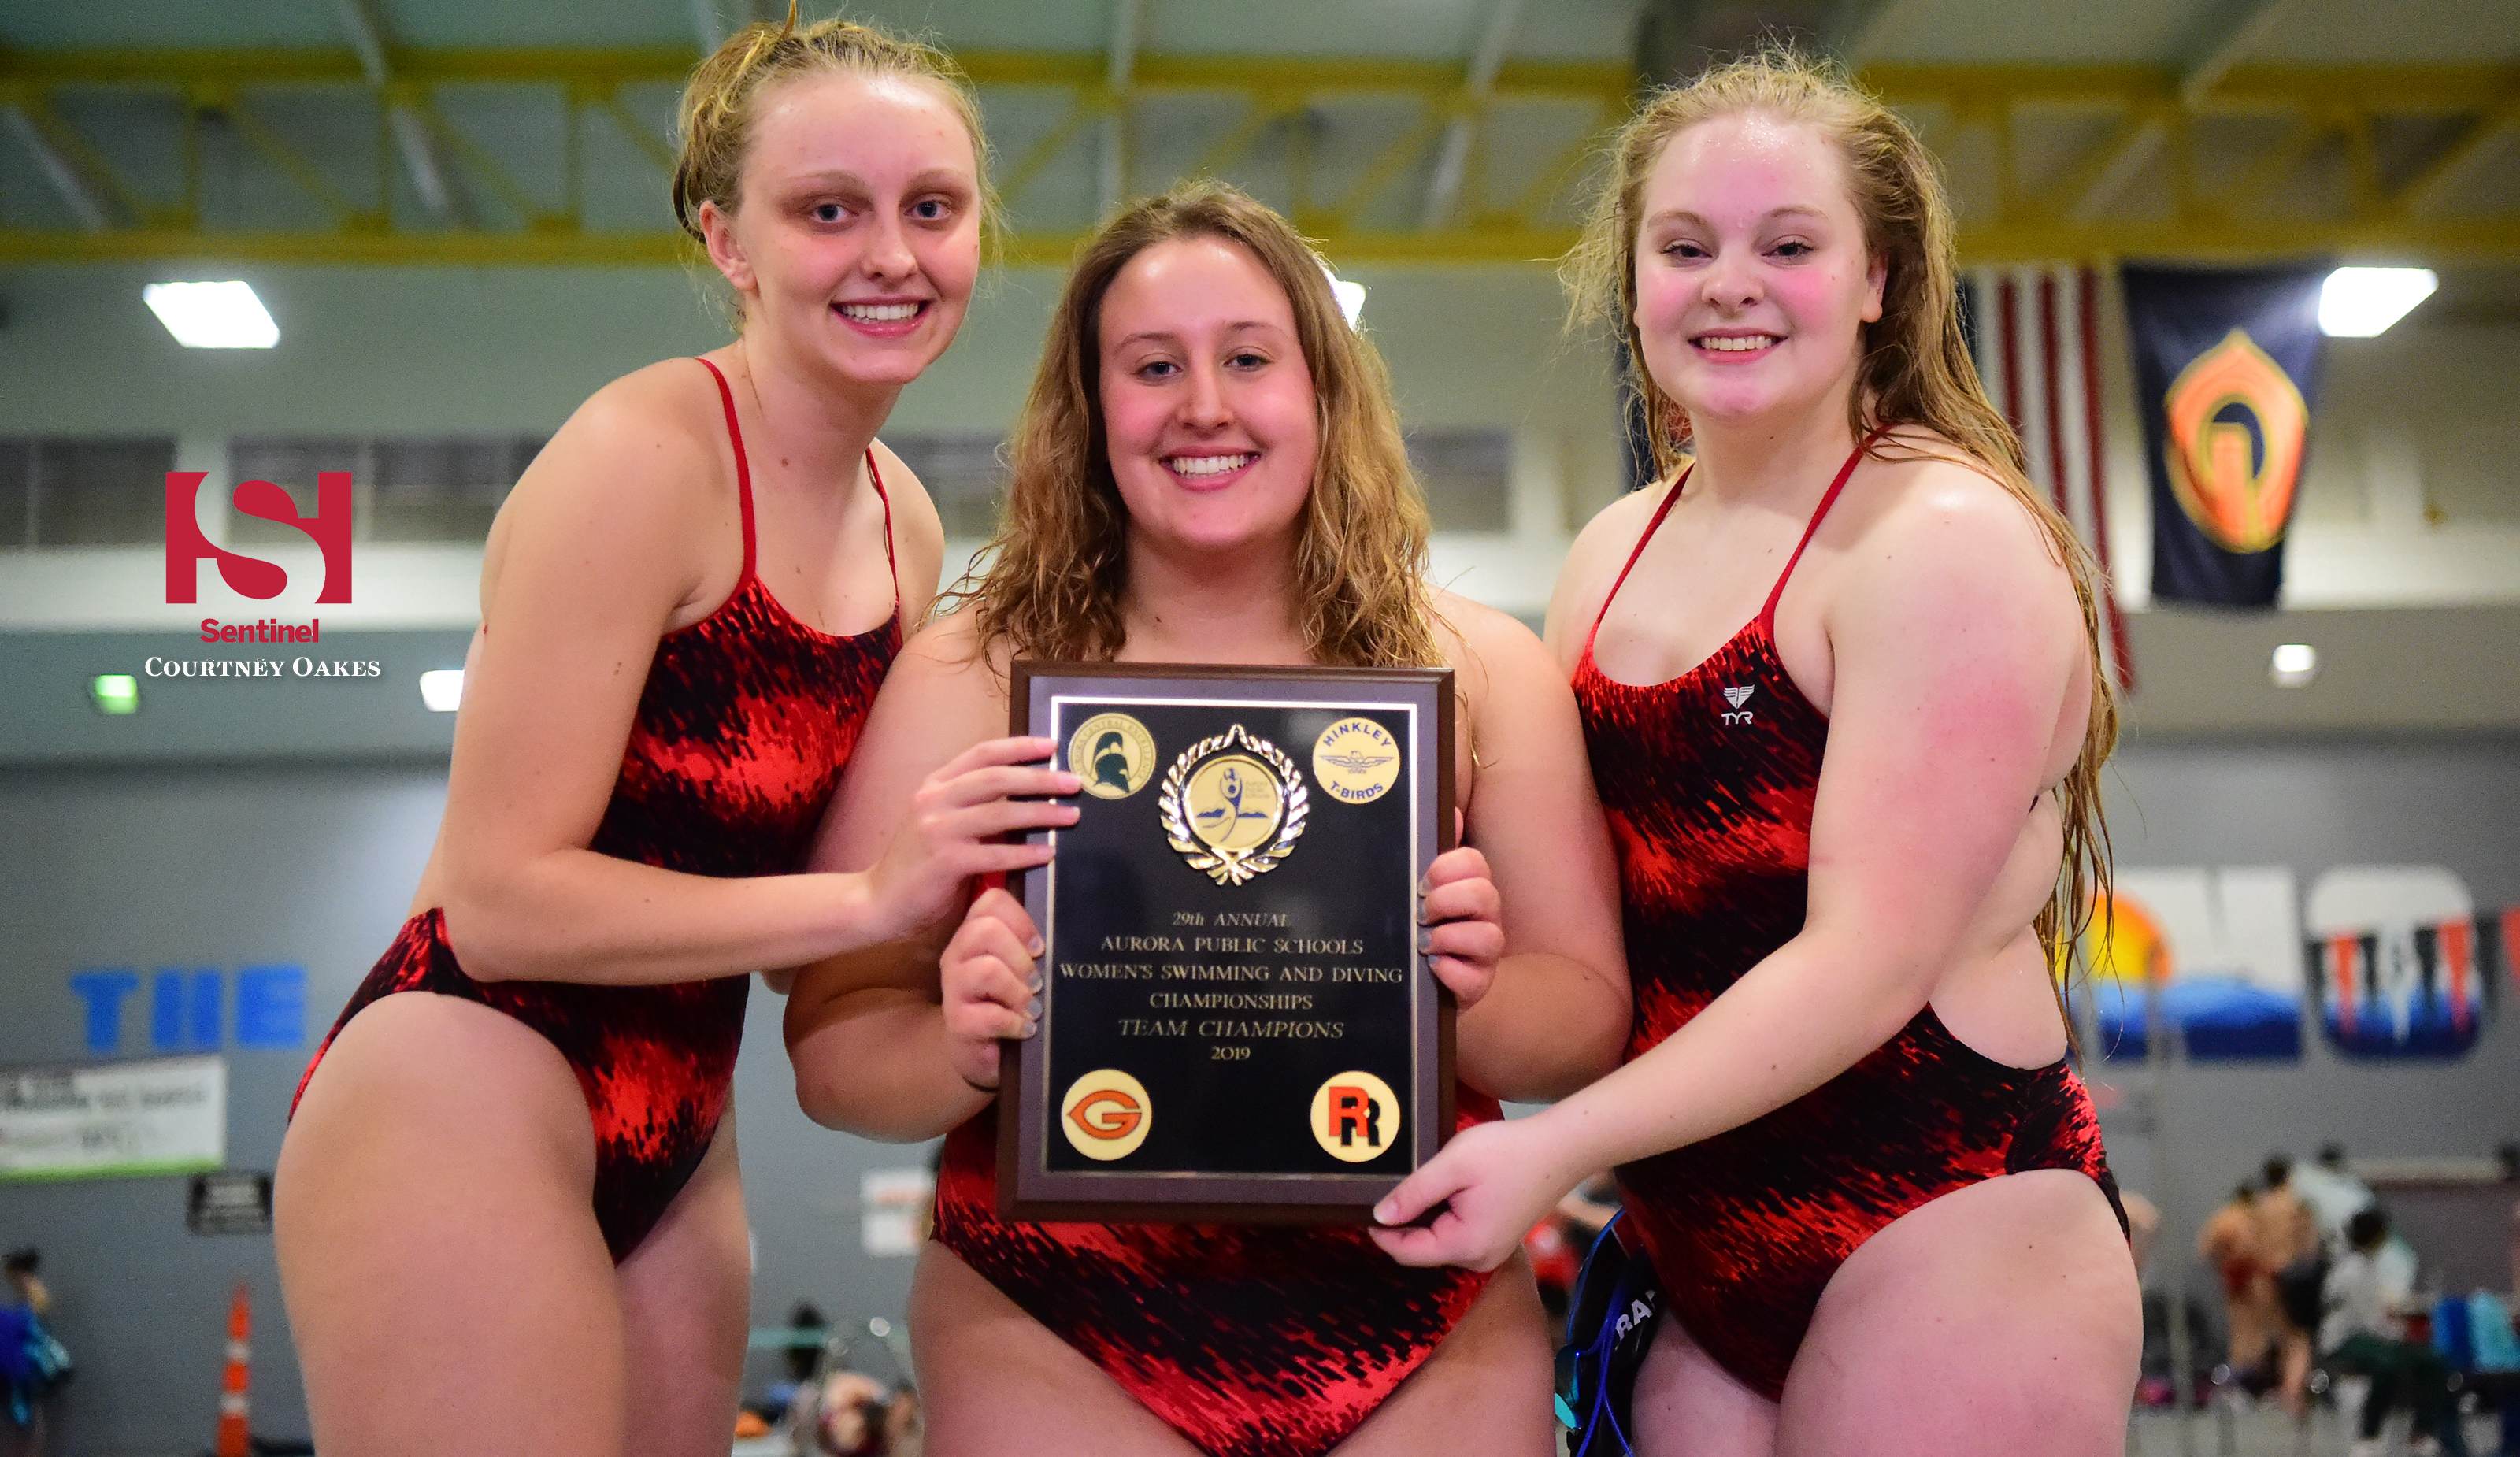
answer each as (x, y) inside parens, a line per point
(746, 722)
(1252, 1341)
(1709, 779)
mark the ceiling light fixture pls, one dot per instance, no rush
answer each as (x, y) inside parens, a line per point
(2295, 665)
(212, 316)
(443, 689)
(2361, 302)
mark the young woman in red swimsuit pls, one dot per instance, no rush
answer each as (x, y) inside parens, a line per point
(524, 1182)
(1209, 471)
(1852, 833)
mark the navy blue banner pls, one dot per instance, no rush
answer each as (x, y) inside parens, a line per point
(2226, 367)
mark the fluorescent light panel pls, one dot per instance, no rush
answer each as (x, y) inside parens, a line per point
(443, 689)
(212, 315)
(2361, 302)
(2294, 665)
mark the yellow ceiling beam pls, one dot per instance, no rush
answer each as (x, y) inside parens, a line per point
(2067, 218)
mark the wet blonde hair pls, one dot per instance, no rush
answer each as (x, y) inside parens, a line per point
(722, 99)
(1916, 372)
(1059, 561)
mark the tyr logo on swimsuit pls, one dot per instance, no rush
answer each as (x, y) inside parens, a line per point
(252, 577)
(1737, 695)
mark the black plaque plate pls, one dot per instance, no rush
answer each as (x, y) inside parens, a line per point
(1236, 1023)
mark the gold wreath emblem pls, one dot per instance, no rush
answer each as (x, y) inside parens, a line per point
(1233, 806)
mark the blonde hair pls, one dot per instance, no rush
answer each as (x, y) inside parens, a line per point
(1058, 568)
(1915, 370)
(720, 101)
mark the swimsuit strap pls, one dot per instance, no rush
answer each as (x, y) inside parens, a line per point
(1621, 580)
(743, 471)
(1845, 472)
(877, 475)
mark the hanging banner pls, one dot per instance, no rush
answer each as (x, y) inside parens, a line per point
(115, 1119)
(2226, 367)
(2406, 967)
(2221, 946)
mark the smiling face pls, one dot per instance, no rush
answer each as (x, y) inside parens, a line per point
(857, 239)
(1752, 278)
(1208, 407)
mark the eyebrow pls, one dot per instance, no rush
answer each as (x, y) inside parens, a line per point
(1682, 214)
(848, 181)
(1167, 336)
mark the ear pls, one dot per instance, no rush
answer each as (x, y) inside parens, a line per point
(1877, 279)
(717, 229)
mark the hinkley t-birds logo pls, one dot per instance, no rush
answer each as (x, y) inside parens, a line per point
(1233, 806)
(1356, 761)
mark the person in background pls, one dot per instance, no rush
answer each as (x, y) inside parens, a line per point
(32, 1363)
(2332, 1193)
(2289, 1242)
(25, 1284)
(2364, 1333)
(2230, 1243)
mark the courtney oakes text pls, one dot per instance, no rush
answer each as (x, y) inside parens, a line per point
(262, 667)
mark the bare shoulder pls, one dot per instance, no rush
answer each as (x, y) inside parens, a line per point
(917, 531)
(1489, 650)
(1938, 541)
(1934, 511)
(636, 474)
(1599, 550)
(948, 679)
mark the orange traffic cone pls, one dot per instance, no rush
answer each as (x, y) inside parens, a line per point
(232, 1439)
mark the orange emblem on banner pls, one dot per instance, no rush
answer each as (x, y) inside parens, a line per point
(2235, 483)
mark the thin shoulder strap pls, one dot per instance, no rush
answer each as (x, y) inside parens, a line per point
(1845, 472)
(742, 471)
(1621, 580)
(876, 474)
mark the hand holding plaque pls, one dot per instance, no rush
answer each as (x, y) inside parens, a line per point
(1235, 1019)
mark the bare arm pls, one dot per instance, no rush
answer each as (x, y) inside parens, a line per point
(593, 560)
(1959, 664)
(1557, 1015)
(865, 1028)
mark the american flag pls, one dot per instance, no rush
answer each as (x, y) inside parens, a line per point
(2037, 338)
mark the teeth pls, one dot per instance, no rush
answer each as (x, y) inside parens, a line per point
(1736, 345)
(1209, 465)
(880, 313)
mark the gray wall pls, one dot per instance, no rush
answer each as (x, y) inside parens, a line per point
(2313, 804)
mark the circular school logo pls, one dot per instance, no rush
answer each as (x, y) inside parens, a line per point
(1113, 753)
(1106, 1113)
(1355, 760)
(1356, 1117)
(1234, 806)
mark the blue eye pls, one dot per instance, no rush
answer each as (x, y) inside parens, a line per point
(1157, 369)
(828, 212)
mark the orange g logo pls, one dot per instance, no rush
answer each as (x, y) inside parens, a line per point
(2235, 476)
(1105, 1114)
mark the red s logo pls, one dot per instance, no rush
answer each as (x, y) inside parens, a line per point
(252, 577)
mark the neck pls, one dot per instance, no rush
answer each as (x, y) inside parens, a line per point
(814, 424)
(1784, 456)
(1211, 605)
